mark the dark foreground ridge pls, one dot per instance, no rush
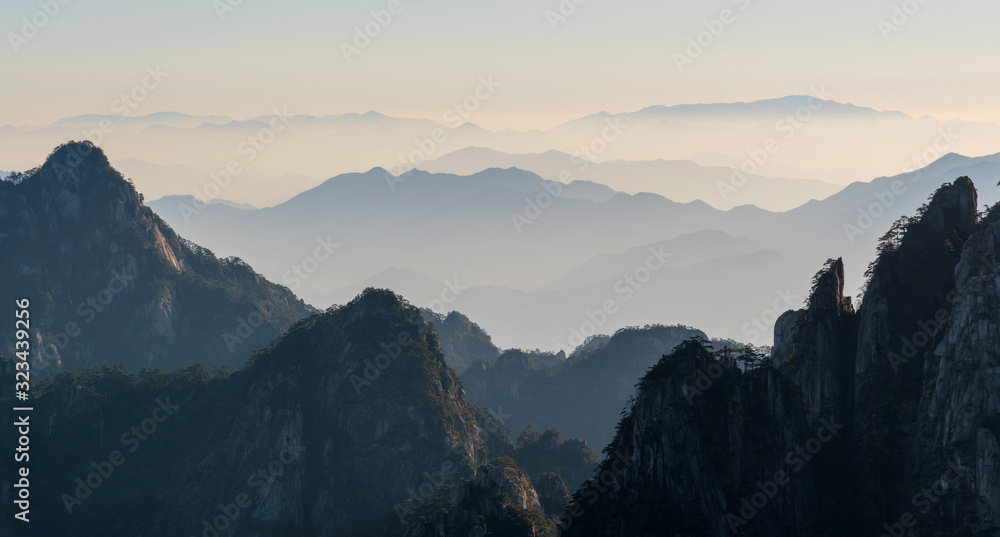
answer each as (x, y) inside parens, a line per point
(877, 422)
(307, 440)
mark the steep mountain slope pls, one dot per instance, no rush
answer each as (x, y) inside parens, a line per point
(110, 282)
(888, 413)
(582, 396)
(350, 424)
(463, 342)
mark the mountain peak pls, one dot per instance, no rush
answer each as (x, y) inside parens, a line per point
(375, 299)
(77, 158)
(80, 223)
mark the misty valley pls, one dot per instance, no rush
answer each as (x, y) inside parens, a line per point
(548, 268)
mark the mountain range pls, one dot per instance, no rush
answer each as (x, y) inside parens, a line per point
(353, 420)
(543, 265)
(886, 412)
(783, 137)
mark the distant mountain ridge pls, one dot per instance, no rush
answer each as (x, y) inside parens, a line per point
(681, 181)
(488, 233)
(800, 129)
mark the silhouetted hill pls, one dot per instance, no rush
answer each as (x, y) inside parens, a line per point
(350, 424)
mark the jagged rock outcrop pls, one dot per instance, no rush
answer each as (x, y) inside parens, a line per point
(908, 383)
(958, 426)
(109, 282)
(701, 440)
(908, 288)
(821, 360)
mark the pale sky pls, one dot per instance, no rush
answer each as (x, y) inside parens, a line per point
(615, 56)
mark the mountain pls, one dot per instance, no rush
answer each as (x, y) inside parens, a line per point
(783, 137)
(687, 250)
(139, 123)
(109, 282)
(174, 182)
(459, 231)
(191, 201)
(885, 413)
(764, 108)
(582, 395)
(420, 289)
(679, 180)
(501, 257)
(463, 342)
(350, 424)
(775, 136)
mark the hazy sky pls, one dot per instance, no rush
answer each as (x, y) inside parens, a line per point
(615, 56)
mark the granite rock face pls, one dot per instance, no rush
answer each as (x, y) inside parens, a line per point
(894, 407)
(109, 282)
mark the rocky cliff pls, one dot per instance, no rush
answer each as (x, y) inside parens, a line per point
(876, 422)
(109, 282)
